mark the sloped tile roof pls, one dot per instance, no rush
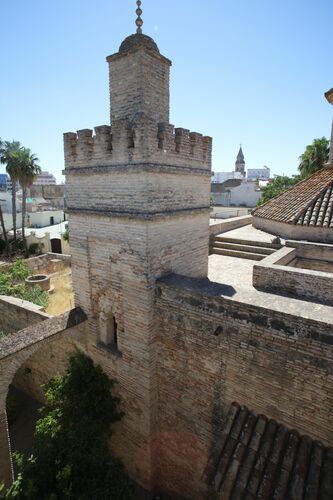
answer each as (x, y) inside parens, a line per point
(259, 458)
(309, 203)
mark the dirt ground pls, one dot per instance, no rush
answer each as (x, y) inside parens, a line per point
(62, 298)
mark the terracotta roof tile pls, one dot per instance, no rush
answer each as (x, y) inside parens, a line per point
(258, 458)
(308, 203)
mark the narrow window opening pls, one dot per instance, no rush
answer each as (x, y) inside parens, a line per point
(109, 333)
(115, 333)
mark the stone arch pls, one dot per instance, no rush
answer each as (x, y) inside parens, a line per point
(17, 348)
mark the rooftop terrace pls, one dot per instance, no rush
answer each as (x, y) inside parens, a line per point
(237, 273)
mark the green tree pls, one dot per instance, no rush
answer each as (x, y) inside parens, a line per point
(8, 157)
(314, 157)
(28, 170)
(2, 222)
(66, 235)
(71, 459)
(280, 184)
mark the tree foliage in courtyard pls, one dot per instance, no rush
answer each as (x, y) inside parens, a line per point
(314, 157)
(280, 184)
(70, 458)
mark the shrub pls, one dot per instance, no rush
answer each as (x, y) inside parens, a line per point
(66, 235)
(70, 458)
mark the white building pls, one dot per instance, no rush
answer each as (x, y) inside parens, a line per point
(45, 179)
(236, 193)
(258, 173)
(220, 177)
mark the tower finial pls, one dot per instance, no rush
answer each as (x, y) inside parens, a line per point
(139, 21)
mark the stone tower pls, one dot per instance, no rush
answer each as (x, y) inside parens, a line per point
(240, 162)
(138, 195)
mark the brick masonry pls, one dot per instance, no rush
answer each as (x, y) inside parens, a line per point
(212, 351)
(138, 205)
(138, 208)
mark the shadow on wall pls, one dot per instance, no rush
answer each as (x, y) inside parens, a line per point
(22, 414)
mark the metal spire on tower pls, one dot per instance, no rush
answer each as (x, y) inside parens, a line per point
(139, 21)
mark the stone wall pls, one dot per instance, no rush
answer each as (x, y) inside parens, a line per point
(294, 231)
(48, 361)
(212, 351)
(219, 227)
(16, 314)
(144, 89)
(282, 272)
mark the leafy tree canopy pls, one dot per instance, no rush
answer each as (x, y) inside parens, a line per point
(314, 157)
(280, 184)
(70, 458)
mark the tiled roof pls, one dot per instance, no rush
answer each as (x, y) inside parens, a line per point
(309, 203)
(259, 459)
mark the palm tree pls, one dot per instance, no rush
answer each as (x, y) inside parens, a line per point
(2, 222)
(314, 157)
(8, 157)
(29, 169)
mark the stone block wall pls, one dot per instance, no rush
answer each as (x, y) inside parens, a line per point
(137, 141)
(50, 360)
(143, 89)
(213, 351)
(130, 254)
(280, 273)
(16, 314)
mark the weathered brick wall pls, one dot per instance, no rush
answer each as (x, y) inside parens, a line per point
(114, 263)
(143, 89)
(213, 351)
(137, 192)
(138, 141)
(48, 361)
(312, 285)
(138, 206)
(16, 314)
(280, 273)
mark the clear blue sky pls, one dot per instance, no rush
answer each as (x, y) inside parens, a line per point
(247, 71)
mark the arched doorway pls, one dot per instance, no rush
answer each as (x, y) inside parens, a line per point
(56, 245)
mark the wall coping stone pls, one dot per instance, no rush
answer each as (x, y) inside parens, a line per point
(206, 296)
(17, 341)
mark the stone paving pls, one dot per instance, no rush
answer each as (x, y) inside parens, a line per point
(250, 233)
(237, 275)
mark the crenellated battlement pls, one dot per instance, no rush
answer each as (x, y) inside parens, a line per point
(134, 141)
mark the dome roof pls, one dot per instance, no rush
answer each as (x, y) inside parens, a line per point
(138, 40)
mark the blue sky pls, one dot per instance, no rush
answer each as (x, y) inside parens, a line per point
(251, 72)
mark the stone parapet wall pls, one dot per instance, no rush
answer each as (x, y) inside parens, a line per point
(142, 140)
(219, 227)
(280, 273)
(16, 314)
(212, 351)
(294, 231)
